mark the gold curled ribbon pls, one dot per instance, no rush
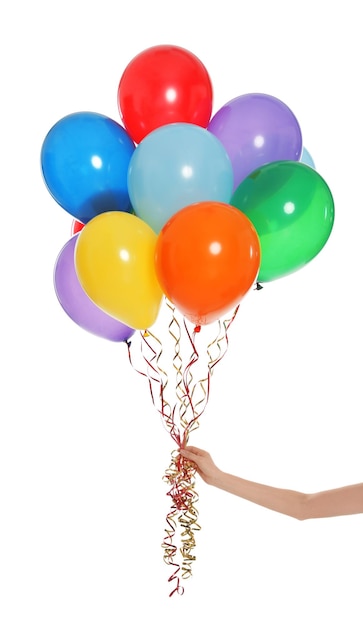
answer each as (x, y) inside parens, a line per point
(183, 515)
(180, 416)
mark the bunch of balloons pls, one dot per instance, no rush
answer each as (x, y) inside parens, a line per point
(173, 204)
(172, 201)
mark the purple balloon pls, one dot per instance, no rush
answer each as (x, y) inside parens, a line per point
(78, 306)
(256, 129)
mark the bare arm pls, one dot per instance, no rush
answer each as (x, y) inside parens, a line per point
(342, 501)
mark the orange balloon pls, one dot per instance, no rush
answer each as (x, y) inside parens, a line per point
(207, 257)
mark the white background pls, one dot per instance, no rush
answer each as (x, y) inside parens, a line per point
(82, 449)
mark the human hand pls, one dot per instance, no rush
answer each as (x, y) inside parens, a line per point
(203, 462)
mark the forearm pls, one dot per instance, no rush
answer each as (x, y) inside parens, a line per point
(285, 501)
(346, 500)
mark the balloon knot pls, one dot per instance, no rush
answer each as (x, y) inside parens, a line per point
(258, 287)
(197, 329)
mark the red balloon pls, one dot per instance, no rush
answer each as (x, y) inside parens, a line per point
(161, 85)
(207, 258)
(76, 227)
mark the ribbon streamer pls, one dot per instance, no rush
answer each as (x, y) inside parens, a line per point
(180, 408)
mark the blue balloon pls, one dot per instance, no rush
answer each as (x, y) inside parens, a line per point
(307, 158)
(174, 166)
(84, 159)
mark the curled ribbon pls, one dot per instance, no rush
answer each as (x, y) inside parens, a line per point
(180, 416)
(183, 515)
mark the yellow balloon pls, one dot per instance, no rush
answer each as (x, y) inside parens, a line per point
(114, 262)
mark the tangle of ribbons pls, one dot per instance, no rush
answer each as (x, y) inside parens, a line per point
(180, 408)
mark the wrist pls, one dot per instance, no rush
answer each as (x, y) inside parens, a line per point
(216, 478)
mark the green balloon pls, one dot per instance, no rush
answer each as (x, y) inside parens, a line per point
(292, 210)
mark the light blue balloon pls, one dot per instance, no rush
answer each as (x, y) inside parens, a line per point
(307, 158)
(174, 166)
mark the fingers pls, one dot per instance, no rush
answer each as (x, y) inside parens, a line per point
(193, 450)
(187, 454)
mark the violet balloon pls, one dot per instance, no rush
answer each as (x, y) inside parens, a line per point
(256, 129)
(78, 306)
